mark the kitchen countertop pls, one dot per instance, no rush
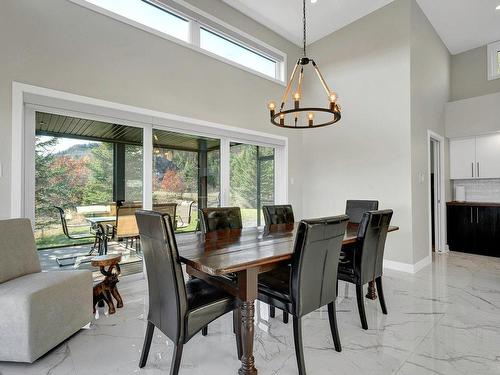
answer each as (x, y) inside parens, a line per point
(480, 204)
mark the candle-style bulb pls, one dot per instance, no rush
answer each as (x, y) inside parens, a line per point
(333, 97)
(296, 96)
(271, 106)
(310, 117)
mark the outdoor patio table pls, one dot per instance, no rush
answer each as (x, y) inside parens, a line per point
(99, 225)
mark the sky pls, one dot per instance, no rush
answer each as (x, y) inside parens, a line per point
(65, 143)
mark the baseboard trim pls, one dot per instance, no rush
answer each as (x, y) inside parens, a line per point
(407, 267)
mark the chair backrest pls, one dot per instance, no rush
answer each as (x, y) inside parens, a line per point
(372, 233)
(315, 263)
(167, 208)
(278, 214)
(18, 255)
(62, 216)
(167, 290)
(185, 210)
(126, 224)
(356, 208)
(218, 218)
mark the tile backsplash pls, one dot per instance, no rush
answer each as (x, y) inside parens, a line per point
(480, 190)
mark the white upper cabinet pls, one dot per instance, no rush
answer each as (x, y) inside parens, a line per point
(477, 157)
(488, 156)
(462, 158)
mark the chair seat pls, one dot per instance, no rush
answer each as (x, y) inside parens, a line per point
(205, 304)
(275, 285)
(200, 293)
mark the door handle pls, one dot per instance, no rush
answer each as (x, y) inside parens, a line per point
(477, 169)
(472, 168)
(477, 215)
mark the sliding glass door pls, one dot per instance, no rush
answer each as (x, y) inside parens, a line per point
(186, 175)
(252, 180)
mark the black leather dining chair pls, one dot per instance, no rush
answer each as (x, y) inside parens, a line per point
(176, 308)
(356, 208)
(363, 262)
(218, 218)
(312, 277)
(278, 214)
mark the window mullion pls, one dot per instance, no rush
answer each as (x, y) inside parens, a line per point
(194, 33)
(225, 165)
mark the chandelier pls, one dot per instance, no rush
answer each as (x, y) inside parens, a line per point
(297, 117)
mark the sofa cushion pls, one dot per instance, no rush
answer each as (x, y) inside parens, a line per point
(18, 256)
(40, 310)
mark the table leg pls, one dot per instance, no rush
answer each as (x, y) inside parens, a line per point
(372, 293)
(247, 285)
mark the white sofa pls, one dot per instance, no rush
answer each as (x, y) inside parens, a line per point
(38, 310)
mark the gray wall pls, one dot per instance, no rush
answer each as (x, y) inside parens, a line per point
(430, 91)
(60, 45)
(469, 75)
(473, 116)
(367, 155)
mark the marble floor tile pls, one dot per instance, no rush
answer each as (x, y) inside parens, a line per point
(443, 320)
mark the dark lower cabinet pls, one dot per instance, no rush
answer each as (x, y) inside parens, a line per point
(474, 229)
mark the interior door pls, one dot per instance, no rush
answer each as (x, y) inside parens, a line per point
(488, 156)
(462, 158)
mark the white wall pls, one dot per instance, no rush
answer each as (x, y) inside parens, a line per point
(367, 155)
(430, 91)
(60, 45)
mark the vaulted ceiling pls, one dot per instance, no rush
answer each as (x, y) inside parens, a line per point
(461, 24)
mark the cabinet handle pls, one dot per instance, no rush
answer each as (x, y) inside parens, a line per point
(477, 169)
(472, 168)
(477, 215)
(471, 218)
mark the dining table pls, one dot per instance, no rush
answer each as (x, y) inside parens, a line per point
(232, 259)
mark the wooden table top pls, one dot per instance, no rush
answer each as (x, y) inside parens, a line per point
(105, 260)
(223, 252)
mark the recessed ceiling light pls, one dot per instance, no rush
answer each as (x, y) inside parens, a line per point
(497, 8)
(315, 1)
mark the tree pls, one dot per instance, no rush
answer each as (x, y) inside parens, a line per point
(99, 188)
(172, 181)
(45, 189)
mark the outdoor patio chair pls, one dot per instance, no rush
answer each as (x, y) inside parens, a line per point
(65, 226)
(167, 208)
(126, 225)
(184, 214)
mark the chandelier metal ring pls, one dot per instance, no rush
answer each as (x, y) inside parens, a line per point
(276, 117)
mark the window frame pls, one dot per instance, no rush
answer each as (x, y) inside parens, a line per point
(493, 65)
(198, 19)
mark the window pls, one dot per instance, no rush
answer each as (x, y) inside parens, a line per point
(251, 180)
(494, 61)
(148, 15)
(198, 30)
(230, 50)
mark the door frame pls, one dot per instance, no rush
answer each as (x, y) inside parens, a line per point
(27, 98)
(440, 196)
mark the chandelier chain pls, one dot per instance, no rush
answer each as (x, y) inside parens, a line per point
(304, 21)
